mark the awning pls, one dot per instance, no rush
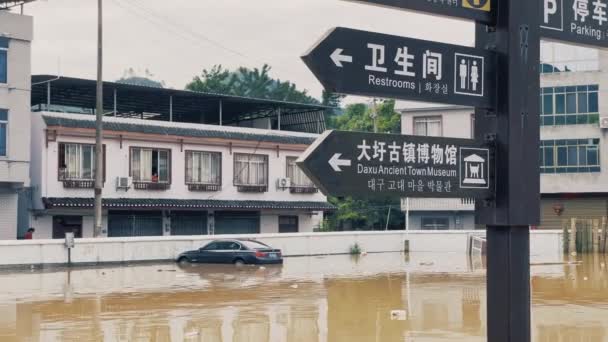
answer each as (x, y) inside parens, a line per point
(146, 203)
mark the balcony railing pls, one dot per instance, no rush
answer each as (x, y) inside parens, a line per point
(151, 186)
(308, 189)
(204, 187)
(78, 184)
(251, 188)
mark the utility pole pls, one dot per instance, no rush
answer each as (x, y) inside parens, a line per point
(99, 125)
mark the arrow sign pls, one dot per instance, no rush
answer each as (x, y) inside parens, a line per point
(338, 58)
(335, 162)
(364, 63)
(384, 165)
(478, 10)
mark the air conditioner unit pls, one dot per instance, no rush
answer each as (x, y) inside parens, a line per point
(123, 183)
(604, 122)
(283, 183)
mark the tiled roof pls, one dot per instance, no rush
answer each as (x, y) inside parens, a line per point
(177, 129)
(145, 203)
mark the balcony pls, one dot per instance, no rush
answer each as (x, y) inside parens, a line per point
(439, 204)
(78, 184)
(204, 187)
(303, 190)
(151, 186)
(251, 188)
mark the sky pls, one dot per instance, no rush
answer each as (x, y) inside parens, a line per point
(176, 39)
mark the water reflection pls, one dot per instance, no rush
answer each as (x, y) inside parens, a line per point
(307, 300)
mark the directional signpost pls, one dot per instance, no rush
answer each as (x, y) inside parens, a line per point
(576, 21)
(371, 64)
(500, 78)
(479, 10)
(390, 165)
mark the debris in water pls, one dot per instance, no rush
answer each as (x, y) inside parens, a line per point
(294, 286)
(398, 315)
(573, 253)
(585, 278)
(192, 334)
(430, 263)
(262, 267)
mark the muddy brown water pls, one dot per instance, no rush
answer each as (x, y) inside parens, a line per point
(379, 297)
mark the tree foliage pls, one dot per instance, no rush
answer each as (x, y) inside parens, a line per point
(130, 76)
(358, 117)
(247, 82)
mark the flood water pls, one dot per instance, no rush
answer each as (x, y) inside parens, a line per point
(378, 297)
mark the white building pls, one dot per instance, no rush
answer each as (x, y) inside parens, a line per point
(574, 175)
(164, 177)
(16, 32)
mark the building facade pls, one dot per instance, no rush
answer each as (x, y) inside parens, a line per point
(573, 172)
(16, 33)
(185, 181)
(438, 213)
(175, 162)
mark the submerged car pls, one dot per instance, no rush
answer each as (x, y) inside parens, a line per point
(238, 252)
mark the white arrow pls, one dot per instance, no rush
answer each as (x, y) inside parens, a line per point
(338, 58)
(335, 162)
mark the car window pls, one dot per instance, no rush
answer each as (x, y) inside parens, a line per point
(211, 247)
(254, 244)
(228, 245)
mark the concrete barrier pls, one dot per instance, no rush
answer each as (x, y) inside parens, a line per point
(545, 246)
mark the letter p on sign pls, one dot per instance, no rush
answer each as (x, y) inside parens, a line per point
(550, 9)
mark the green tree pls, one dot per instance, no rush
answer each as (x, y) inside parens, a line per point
(130, 76)
(255, 82)
(358, 117)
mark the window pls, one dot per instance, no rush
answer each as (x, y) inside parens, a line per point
(203, 170)
(3, 132)
(251, 172)
(570, 156)
(435, 223)
(3, 60)
(288, 224)
(299, 181)
(77, 163)
(428, 126)
(150, 165)
(573, 105)
(211, 247)
(558, 57)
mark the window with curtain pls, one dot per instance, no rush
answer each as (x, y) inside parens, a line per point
(296, 175)
(3, 132)
(76, 161)
(428, 126)
(203, 167)
(150, 165)
(250, 169)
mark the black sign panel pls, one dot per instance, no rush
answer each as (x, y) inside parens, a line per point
(385, 165)
(478, 10)
(372, 64)
(576, 21)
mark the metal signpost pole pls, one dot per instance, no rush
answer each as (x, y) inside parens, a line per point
(515, 123)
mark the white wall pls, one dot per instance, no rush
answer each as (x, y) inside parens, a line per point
(15, 96)
(456, 121)
(545, 246)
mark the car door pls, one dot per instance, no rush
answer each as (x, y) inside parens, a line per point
(228, 251)
(209, 253)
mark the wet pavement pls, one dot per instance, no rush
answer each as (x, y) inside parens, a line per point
(377, 297)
